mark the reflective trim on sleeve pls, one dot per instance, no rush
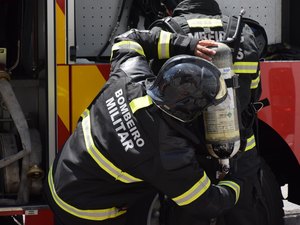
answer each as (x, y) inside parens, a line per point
(139, 103)
(255, 82)
(90, 214)
(204, 22)
(245, 67)
(100, 159)
(163, 47)
(194, 192)
(250, 143)
(128, 45)
(233, 186)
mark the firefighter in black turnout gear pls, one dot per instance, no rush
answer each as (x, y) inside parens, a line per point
(131, 140)
(202, 19)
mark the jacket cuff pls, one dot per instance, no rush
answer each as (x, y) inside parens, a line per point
(193, 45)
(233, 186)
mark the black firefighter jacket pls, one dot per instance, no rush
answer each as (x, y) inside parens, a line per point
(198, 21)
(124, 145)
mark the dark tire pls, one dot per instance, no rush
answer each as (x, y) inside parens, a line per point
(270, 206)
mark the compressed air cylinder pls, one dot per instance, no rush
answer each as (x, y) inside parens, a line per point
(221, 121)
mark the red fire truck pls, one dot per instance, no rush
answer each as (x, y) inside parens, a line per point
(54, 58)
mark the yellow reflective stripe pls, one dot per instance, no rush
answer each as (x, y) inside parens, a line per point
(250, 143)
(128, 45)
(90, 214)
(100, 159)
(245, 67)
(140, 102)
(233, 186)
(194, 192)
(255, 82)
(163, 47)
(204, 22)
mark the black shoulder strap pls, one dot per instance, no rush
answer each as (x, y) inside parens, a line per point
(169, 24)
(256, 107)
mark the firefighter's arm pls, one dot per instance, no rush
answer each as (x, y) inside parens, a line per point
(157, 44)
(188, 185)
(193, 190)
(252, 55)
(247, 67)
(177, 174)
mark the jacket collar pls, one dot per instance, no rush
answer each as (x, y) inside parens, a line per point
(206, 7)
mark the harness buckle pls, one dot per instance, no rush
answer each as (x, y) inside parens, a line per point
(257, 106)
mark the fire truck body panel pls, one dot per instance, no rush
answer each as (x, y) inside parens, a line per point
(280, 85)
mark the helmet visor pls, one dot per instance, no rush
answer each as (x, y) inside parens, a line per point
(187, 109)
(187, 85)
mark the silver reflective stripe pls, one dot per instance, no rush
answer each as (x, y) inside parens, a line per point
(128, 45)
(204, 22)
(233, 186)
(163, 47)
(255, 82)
(245, 67)
(250, 143)
(100, 159)
(194, 192)
(139, 103)
(90, 214)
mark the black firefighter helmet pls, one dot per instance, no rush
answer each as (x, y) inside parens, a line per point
(187, 85)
